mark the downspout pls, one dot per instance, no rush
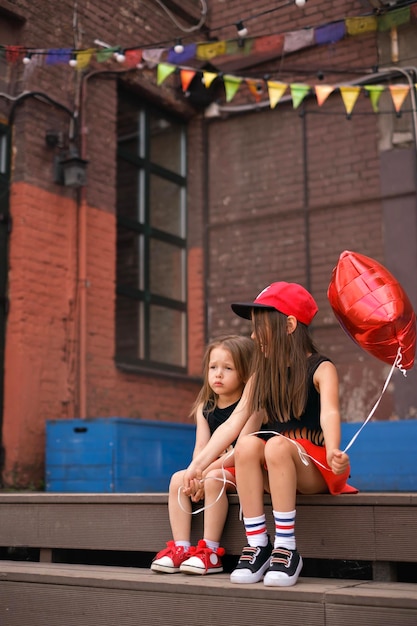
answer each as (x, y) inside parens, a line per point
(306, 198)
(205, 216)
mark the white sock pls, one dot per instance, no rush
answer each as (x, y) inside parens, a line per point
(184, 544)
(284, 529)
(255, 528)
(213, 545)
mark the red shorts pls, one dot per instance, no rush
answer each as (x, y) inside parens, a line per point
(336, 483)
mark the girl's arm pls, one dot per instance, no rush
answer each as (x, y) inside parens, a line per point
(327, 383)
(220, 440)
(202, 433)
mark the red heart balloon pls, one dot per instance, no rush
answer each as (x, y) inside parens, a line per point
(373, 308)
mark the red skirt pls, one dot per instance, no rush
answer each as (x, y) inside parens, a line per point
(336, 483)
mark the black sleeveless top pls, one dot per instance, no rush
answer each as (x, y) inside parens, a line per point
(215, 417)
(308, 425)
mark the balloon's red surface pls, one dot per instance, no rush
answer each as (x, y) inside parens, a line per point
(373, 308)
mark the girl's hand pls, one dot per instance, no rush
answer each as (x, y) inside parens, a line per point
(338, 461)
(192, 476)
(198, 491)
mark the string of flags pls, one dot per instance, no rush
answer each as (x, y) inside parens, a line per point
(171, 60)
(275, 90)
(283, 43)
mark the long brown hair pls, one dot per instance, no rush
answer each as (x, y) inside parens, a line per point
(241, 350)
(280, 366)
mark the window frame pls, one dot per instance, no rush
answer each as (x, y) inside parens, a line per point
(146, 169)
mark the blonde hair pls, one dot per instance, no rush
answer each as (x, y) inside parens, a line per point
(241, 350)
(280, 366)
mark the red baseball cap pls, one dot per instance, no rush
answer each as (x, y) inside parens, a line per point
(288, 298)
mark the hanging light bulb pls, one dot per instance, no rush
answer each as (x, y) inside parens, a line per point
(73, 61)
(242, 31)
(300, 3)
(27, 58)
(178, 48)
(120, 56)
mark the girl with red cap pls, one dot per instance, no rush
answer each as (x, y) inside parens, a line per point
(289, 421)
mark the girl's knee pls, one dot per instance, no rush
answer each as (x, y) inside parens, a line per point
(278, 449)
(176, 480)
(249, 446)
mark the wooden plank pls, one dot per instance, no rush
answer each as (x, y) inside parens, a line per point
(39, 593)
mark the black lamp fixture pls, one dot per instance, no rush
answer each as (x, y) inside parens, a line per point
(70, 169)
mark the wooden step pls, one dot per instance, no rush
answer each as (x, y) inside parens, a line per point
(76, 595)
(375, 528)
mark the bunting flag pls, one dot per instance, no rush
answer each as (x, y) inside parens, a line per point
(83, 59)
(398, 17)
(322, 93)
(177, 58)
(330, 33)
(298, 39)
(14, 54)
(208, 78)
(207, 51)
(231, 85)
(133, 58)
(164, 70)
(298, 93)
(361, 25)
(256, 87)
(275, 92)
(398, 95)
(105, 54)
(374, 92)
(58, 56)
(349, 96)
(186, 78)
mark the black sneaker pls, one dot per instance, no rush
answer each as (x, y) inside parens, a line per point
(252, 564)
(284, 569)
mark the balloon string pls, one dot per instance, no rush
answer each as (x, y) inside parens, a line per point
(397, 363)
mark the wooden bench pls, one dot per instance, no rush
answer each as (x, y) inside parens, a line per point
(375, 529)
(75, 542)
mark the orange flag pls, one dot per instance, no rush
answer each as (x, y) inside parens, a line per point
(398, 95)
(322, 93)
(186, 78)
(256, 87)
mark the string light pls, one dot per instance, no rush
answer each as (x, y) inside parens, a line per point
(179, 48)
(27, 58)
(300, 3)
(73, 61)
(242, 31)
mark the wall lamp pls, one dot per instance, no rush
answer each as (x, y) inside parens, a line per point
(70, 170)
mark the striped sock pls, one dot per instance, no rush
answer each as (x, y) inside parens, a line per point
(284, 529)
(255, 528)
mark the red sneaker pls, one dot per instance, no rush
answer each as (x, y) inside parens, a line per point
(169, 560)
(203, 560)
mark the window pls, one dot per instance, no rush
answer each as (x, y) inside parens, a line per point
(151, 314)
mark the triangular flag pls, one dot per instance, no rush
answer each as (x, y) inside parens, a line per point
(398, 95)
(322, 93)
(186, 78)
(275, 92)
(231, 85)
(375, 92)
(164, 70)
(208, 78)
(256, 87)
(349, 96)
(298, 93)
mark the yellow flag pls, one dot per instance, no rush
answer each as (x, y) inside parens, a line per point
(275, 92)
(322, 93)
(210, 50)
(208, 78)
(164, 70)
(360, 25)
(84, 58)
(398, 95)
(349, 96)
